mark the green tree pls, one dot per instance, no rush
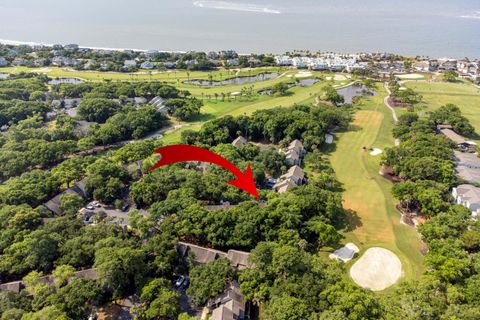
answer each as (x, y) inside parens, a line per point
(120, 269)
(206, 281)
(70, 203)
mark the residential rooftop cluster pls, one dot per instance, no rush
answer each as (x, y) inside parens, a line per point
(334, 63)
(467, 167)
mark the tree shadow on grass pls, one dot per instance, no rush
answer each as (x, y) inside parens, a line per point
(350, 221)
(201, 117)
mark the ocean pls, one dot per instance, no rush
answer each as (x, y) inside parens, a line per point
(436, 28)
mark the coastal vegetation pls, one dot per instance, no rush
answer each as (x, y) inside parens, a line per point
(106, 148)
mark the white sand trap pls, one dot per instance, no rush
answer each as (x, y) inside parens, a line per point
(410, 76)
(289, 76)
(328, 78)
(349, 76)
(235, 93)
(402, 88)
(377, 269)
(345, 253)
(303, 74)
(328, 138)
(376, 152)
(339, 77)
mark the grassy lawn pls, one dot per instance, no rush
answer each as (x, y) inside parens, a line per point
(367, 193)
(173, 76)
(217, 108)
(464, 95)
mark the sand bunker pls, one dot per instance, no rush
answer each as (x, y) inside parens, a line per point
(376, 152)
(377, 269)
(328, 78)
(410, 76)
(339, 77)
(345, 253)
(303, 74)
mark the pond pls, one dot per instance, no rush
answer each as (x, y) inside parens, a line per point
(299, 83)
(64, 81)
(236, 80)
(306, 82)
(355, 90)
(4, 75)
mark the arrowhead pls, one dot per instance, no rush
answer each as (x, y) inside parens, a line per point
(246, 183)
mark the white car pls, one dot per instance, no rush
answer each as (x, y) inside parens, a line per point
(179, 281)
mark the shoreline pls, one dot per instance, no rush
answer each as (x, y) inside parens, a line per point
(33, 43)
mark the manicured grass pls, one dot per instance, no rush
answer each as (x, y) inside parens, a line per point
(369, 194)
(464, 95)
(217, 108)
(173, 76)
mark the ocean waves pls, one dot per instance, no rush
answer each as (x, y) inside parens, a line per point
(474, 15)
(236, 6)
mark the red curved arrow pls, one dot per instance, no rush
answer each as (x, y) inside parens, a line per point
(181, 153)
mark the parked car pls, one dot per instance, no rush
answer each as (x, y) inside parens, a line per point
(179, 281)
(125, 207)
(185, 283)
(90, 207)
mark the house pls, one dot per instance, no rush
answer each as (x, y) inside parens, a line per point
(296, 174)
(230, 305)
(469, 197)
(283, 61)
(239, 142)
(238, 259)
(200, 254)
(158, 102)
(468, 166)
(70, 62)
(297, 145)
(421, 66)
(19, 61)
(147, 65)
(294, 177)
(54, 204)
(460, 141)
(40, 62)
(129, 64)
(292, 157)
(3, 62)
(445, 64)
(233, 62)
(57, 61)
(17, 286)
(294, 153)
(151, 53)
(71, 47)
(170, 65)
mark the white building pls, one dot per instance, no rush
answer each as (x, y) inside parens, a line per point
(147, 65)
(469, 197)
(130, 63)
